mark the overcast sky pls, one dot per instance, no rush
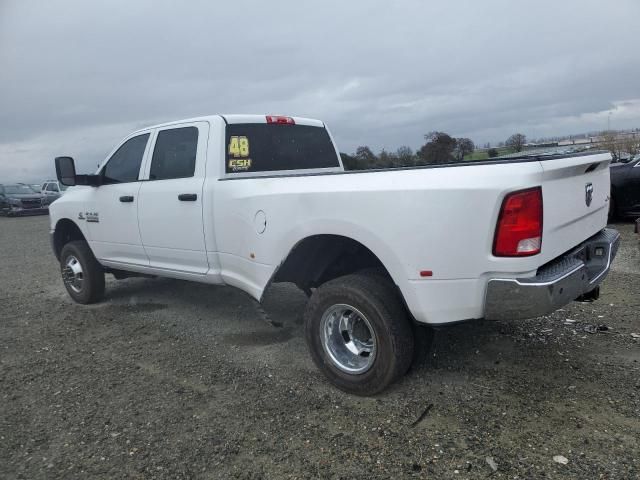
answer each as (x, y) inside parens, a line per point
(77, 76)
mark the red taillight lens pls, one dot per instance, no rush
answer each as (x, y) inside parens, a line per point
(280, 120)
(519, 229)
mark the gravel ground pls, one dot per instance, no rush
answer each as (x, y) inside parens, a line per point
(169, 379)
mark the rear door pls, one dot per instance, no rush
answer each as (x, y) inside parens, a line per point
(170, 207)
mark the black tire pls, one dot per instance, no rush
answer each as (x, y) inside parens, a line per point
(376, 298)
(91, 288)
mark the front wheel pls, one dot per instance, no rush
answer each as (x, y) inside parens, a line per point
(358, 333)
(82, 275)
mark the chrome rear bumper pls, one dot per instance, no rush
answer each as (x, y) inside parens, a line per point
(556, 283)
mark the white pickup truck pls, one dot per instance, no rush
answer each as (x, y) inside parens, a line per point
(247, 200)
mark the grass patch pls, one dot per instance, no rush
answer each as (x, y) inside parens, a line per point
(482, 154)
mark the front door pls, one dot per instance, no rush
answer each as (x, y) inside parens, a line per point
(170, 208)
(111, 211)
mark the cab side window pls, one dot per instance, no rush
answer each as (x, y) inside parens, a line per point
(174, 155)
(52, 187)
(124, 165)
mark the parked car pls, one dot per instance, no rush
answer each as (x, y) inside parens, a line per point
(52, 190)
(248, 200)
(625, 189)
(20, 199)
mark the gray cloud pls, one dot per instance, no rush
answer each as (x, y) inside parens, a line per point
(77, 76)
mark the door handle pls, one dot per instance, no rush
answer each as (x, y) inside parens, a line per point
(126, 198)
(187, 197)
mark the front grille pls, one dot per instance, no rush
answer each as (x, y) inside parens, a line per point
(28, 203)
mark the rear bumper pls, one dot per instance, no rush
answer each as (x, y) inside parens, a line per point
(556, 284)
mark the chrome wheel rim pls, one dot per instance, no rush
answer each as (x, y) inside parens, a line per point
(72, 274)
(348, 339)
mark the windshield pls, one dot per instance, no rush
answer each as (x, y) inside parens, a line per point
(18, 190)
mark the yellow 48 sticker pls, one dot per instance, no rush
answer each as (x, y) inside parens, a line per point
(239, 147)
(238, 154)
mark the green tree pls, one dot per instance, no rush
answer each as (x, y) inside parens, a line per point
(363, 159)
(384, 159)
(438, 149)
(349, 162)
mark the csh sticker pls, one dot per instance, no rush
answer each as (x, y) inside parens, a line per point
(239, 164)
(238, 154)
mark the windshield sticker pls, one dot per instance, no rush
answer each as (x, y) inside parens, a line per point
(239, 147)
(238, 154)
(239, 164)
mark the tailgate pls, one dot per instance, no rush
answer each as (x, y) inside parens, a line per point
(575, 193)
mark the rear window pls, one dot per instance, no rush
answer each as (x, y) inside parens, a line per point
(262, 147)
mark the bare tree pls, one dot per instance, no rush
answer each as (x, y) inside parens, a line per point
(406, 156)
(516, 142)
(365, 157)
(629, 144)
(464, 146)
(610, 142)
(388, 159)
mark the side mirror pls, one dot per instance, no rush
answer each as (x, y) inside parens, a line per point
(66, 171)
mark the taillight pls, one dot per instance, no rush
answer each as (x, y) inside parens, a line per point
(519, 229)
(280, 120)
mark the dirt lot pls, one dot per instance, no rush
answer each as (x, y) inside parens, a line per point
(169, 379)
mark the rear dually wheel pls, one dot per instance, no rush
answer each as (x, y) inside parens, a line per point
(358, 333)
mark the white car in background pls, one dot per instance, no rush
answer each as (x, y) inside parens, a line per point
(52, 190)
